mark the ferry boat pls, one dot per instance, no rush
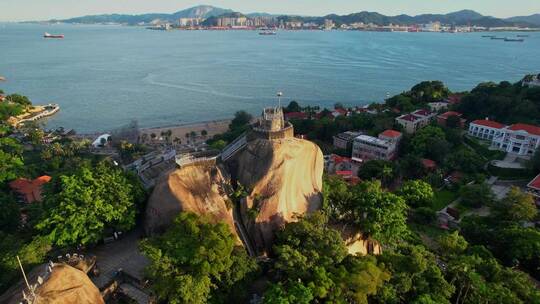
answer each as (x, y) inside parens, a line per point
(47, 35)
(514, 40)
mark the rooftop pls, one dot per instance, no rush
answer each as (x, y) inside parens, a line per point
(390, 133)
(409, 117)
(488, 123)
(422, 112)
(30, 189)
(373, 140)
(535, 130)
(535, 183)
(450, 113)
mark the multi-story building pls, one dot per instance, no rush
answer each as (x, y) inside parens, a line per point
(344, 140)
(328, 24)
(521, 139)
(383, 147)
(416, 120)
(186, 22)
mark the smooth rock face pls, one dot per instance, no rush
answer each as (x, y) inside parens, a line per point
(67, 285)
(197, 189)
(283, 178)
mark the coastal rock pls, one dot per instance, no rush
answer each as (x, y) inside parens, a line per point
(68, 285)
(283, 178)
(356, 242)
(197, 189)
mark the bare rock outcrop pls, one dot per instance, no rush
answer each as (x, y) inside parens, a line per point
(356, 242)
(283, 178)
(197, 189)
(68, 285)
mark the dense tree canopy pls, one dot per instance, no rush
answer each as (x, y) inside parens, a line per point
(196, 261)
(312, 262)
(417, 193)
(84, 204)
(503, 102)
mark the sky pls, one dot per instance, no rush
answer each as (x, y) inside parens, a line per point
(31, 10)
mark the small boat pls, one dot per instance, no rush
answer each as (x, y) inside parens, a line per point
(522, 36)
(488, 36)
(47, 35)
(267, 32)
(2, 78)
(514, 40)
(498, 38)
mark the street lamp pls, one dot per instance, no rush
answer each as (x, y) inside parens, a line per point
(279, 94)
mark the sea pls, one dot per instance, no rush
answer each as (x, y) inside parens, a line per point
(103, 77)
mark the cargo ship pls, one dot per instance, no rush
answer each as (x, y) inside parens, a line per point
(47, 35)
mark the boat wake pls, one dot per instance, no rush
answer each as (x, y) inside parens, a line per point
(193, 87)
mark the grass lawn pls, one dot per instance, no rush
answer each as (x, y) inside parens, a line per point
(482, 148)
(443, 198)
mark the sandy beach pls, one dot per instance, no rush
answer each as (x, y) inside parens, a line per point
(179, 131)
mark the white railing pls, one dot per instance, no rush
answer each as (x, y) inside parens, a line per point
(234, 147)
(190, 159)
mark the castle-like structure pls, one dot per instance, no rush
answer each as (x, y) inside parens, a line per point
(272, 125)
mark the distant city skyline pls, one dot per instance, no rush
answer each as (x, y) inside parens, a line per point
(20, 10)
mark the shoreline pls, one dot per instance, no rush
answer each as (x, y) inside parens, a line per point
(212, 127)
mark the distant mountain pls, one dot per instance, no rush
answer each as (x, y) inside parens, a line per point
(532, 19)
(463, 17)
(201, 11)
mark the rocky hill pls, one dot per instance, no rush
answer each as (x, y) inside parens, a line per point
(283, 178)
(197, 189)
(68, 285)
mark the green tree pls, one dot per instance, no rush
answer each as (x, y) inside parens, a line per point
(517, 206)
(19, 99)
(11, 166)
(416, 277)
(476, 195)
(241, 119)
(381, 214)
(293, 293)
(293, 107)
(9, 213)
(194, 259)
(378, 169)
(452, 243)
(312, 254)
(86, 203)
(417, 193)
(430, 142)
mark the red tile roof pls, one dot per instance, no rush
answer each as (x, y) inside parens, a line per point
(30, 189)
(340, 159)
(449, 113)
(535, 183)
(344, 173)
(296, 115)
(422, 112)
(428, 163)
(391, 133)
(341, 111)
(489, 123)
(525, 127)
(409, 117)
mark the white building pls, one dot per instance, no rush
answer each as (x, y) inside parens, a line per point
(345, 139)
(416, 120)
(383, 147)
(521, 139)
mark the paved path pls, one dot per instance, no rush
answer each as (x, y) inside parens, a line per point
(123, 254)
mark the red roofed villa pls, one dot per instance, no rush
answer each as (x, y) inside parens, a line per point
(443, 118)
(29, 190)
(521, 139)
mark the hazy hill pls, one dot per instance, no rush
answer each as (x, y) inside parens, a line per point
(463, 17)
(201, 11)
(532, 19)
